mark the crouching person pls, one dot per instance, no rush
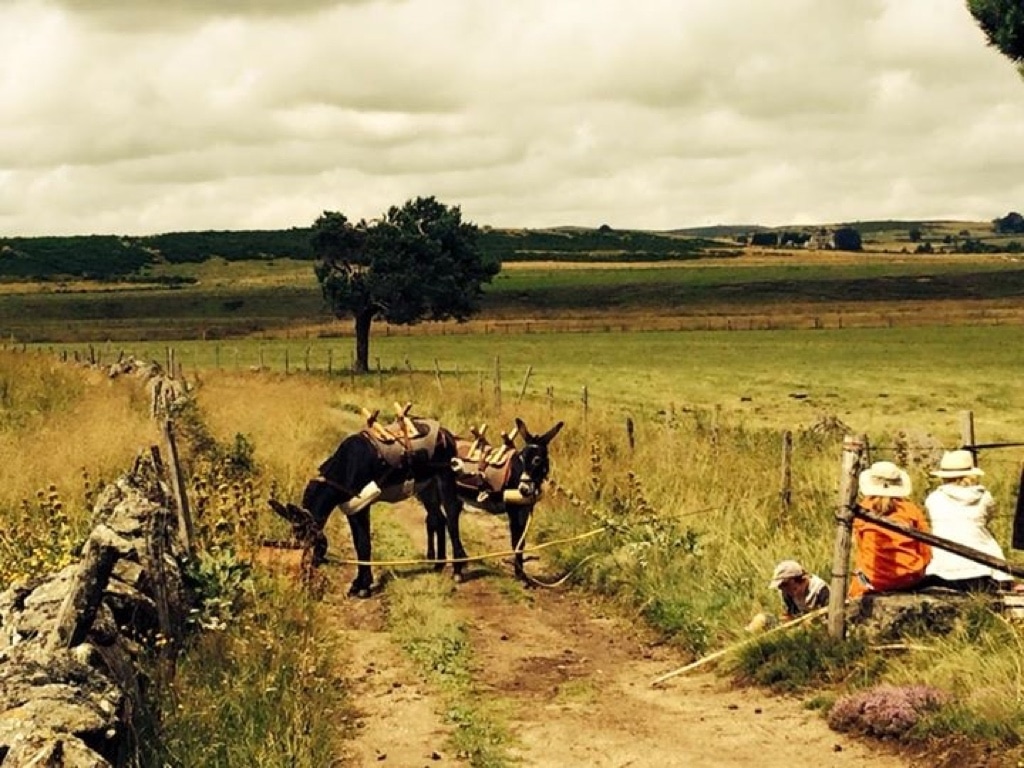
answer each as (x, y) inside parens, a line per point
(801, 591)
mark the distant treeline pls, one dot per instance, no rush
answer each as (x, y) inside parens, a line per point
(603, 244)
(111, 257)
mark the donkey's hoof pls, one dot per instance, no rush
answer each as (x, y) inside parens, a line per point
(360, 591)
(459, 577)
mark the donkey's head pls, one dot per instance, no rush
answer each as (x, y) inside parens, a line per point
(534, 458)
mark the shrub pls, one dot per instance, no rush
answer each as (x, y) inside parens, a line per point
(885, 710)
(803, 658)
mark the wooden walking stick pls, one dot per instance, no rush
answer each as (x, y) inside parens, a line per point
(719, 654)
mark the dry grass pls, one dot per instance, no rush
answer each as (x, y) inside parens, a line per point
(65, 432)
(99, 429)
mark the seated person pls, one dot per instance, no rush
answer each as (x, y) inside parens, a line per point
(959, 510)
(884, 560)
(802, 592)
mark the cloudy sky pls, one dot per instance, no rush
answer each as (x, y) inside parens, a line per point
(146, 116)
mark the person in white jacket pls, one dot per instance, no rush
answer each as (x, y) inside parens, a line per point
(959, 511)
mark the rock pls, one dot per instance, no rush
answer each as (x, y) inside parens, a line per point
(890, 616)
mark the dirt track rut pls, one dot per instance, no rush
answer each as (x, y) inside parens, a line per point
(574, 681)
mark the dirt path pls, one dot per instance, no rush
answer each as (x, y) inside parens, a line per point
(575, 683)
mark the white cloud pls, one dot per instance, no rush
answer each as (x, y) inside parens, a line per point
(138, 116)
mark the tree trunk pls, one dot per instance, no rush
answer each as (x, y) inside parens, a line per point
(362, 361)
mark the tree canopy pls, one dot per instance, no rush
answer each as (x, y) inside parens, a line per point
(420, 261)
(847, 239)
(1012, 223)
(1002, 21)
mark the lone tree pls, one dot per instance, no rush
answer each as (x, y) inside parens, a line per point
(418, 262)
(1011, 223)
(1002, 21)
(847, 239)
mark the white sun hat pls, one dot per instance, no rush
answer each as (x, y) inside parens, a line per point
(787, 569)
(883, 478)
(957, 464)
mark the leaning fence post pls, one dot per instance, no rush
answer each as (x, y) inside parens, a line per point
(853, 450)
(178, 487)
(526, 380)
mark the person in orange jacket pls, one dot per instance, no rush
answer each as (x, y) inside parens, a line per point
(887, 561)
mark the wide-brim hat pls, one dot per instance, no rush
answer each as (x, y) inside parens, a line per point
(957, 464)
(787, 569)
(883, 478)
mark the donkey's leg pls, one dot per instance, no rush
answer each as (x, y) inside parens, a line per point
(360, 525)
(318, 501)
(437, 547)
(518, 517)
(452, 511)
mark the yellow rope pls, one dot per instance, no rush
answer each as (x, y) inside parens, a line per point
(489, 556)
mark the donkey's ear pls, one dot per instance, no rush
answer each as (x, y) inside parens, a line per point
(521, 426)
(548, 436)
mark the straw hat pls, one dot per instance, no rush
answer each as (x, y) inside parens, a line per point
(787, 569)
(957, 464)
(883, 478)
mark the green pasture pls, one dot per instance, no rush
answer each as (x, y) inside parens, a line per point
(733, 286)
(232, 299)
(887, 378)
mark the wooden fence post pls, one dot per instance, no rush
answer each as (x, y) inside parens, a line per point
(1017, 539)
(967, 439)
(178, 487)
(937, 541)
(853, 450)
(526, 380)
(497, 383)
(437, 375)
(786, 484)
(629, 433)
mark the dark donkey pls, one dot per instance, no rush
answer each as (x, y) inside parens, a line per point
(504, 479)
(412, 457)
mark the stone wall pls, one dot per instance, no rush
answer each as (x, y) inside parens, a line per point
(72, 644)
